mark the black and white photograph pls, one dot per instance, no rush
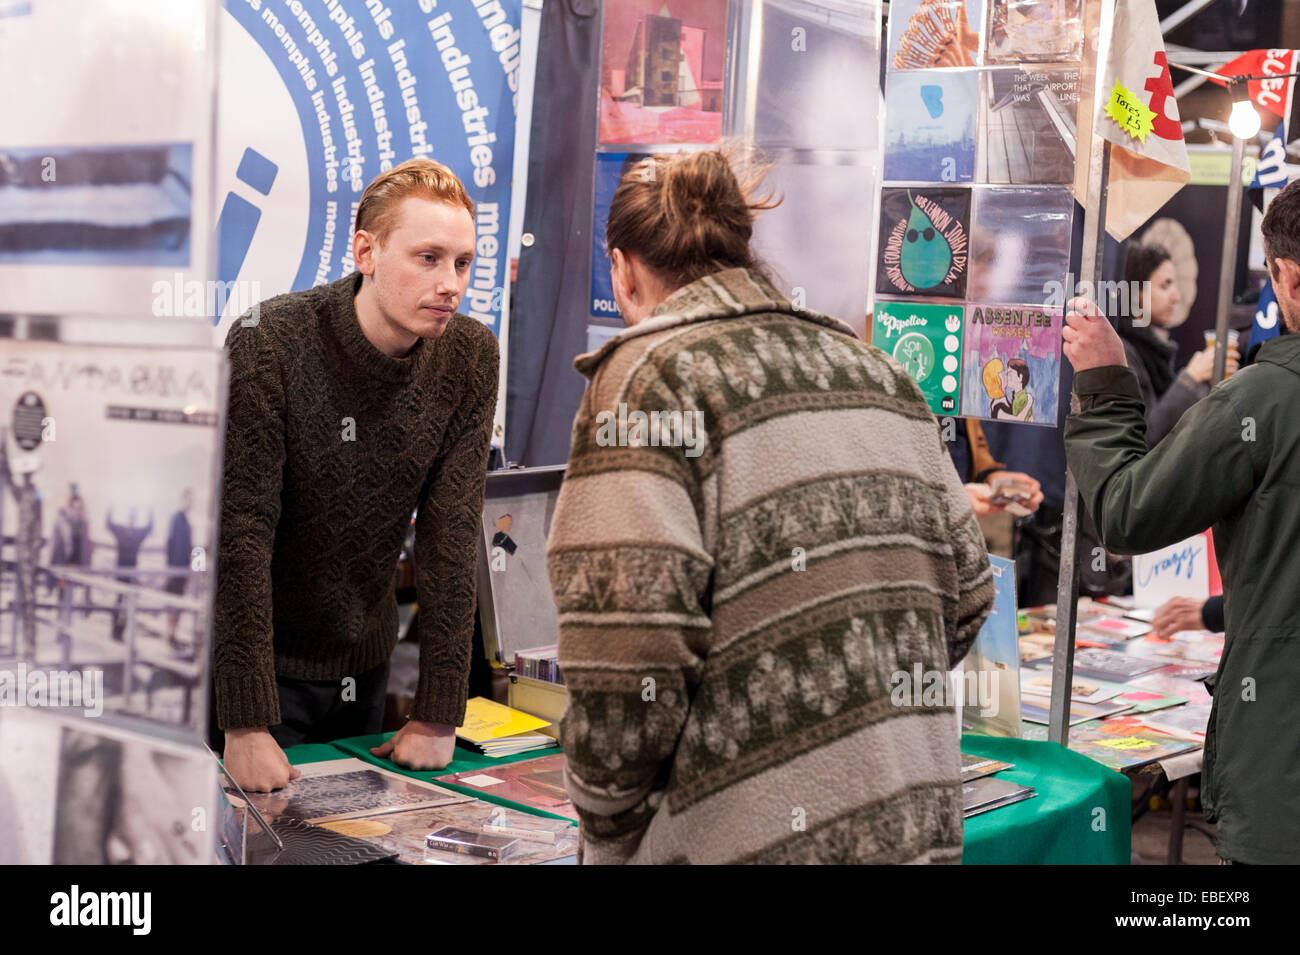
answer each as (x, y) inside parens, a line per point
(108, 501)
(1028, 119)
(77, 791)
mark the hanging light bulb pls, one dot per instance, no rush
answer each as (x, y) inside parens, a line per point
(1244, 121)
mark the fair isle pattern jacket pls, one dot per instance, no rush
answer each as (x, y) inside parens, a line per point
(731, 613)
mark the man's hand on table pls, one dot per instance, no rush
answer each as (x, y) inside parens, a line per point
(1090, 340)
(419, 745)
(255, 760)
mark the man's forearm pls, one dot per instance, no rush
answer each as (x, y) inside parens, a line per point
(446, 561)
(243, 651)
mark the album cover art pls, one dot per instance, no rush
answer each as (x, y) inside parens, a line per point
(1029, 126)
(106, 156)
(610, 168)
(930, 123)
(1020, 245)
(924, 242)
(926, 340)
(516, 605)
(662, 69)
(1034, 31)
(538, 783)
(992, 667)
(1011, 365)
(96, 205)
(328, 795)
(934, 33)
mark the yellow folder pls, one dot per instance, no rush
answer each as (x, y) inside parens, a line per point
(485, 719)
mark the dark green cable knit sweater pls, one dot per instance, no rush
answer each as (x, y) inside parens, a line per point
(330, 445)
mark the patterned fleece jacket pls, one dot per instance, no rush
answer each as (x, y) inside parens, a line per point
(759, 528)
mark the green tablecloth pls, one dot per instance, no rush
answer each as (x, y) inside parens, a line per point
(312, 753)
(1062, 825)
(465, 759)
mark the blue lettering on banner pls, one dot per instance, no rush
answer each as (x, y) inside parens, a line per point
(1181, 562)
(373, 84)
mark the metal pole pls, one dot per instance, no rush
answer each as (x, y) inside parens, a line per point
(1188, 10)
(1094, 244)
(1228, 266)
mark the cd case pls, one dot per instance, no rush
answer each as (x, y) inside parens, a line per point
(981, 795)
(470, 842)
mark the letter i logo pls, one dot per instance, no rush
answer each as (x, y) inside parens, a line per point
(239, 217)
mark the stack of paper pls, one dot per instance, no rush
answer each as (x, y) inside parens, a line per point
(496, 730)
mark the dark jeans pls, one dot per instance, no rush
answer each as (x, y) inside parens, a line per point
(314, 711)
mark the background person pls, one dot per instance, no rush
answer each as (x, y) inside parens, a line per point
(180, 543)
(1167, 392)
(1232, 462)
(1188, 613)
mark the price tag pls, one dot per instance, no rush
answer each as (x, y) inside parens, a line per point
(1127, 109)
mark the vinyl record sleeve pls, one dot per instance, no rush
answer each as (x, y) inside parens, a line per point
(925, 338)
(924, 34)
(924, 242)
(930, 122)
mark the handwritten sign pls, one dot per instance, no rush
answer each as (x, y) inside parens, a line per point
(1127, 109)
(1180, 570)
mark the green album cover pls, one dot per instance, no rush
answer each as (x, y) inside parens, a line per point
(926, 341)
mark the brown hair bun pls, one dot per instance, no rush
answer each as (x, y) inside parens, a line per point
(685, 215)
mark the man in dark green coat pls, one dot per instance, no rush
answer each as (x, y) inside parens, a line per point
(1231, 463)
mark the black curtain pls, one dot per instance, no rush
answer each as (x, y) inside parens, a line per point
(549, 304)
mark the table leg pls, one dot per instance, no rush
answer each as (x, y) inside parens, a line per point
(1178, 821)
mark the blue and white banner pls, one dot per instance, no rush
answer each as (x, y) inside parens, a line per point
(1272, 173)
(318, 97)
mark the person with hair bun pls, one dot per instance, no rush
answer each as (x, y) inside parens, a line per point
(759, 544)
